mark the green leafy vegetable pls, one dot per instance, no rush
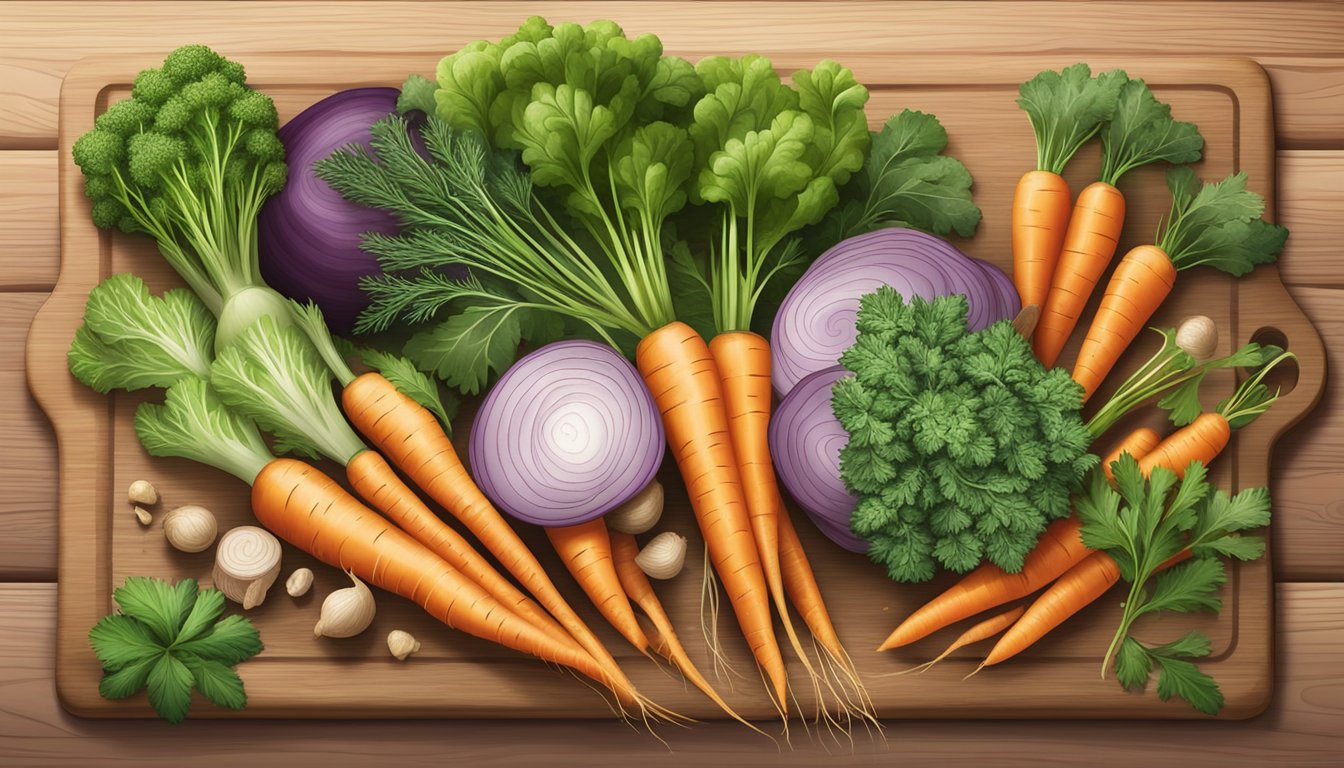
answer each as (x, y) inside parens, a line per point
(131, 340)
(962, 446)
(905, 182)
(192, 423)
(1143, 524)
(1066, 109)
(1142, 131)
(188, 160)
(1217, 224)
(169, 638)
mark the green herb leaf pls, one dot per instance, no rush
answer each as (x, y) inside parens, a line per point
(160, 606)
(1188, 587)
(1132, 664)
(413, 383)
(1218, 226)
(417, 95)
(1066, 109)
(170, 683)
(220, 684)
(207, 610)
(1142, 131)
(128, 680)
(466, 348)
(193, 423)
(121, 641)
(231, 641)
(1182, 403)
(1194, 645)
(1184, 680)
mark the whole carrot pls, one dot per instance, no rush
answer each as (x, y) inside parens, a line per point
(982, 631)
(680, 372)
(1066, 109)
(1218, 225)
(1140, 132)
(586, 550)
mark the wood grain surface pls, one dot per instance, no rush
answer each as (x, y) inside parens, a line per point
(1297, 43)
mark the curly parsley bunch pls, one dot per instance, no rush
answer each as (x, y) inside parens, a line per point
(962, 445)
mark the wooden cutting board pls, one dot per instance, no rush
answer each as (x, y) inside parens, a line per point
(457, 676)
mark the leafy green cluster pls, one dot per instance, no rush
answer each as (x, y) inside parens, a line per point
(906, 181)
(169, 638)
(962, 446)
(1066, 109)
(192, 423)
(1143, 524)
(188, 159)
(1217, 224)
(131, 340)
(1142, 131)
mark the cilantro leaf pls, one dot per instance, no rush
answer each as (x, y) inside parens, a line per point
(1184, 680)
(199, 652)
(1182, 403)
(1142, 131)
(467, 347)
(1193, 646)
(169, 684)
(131, 340)
(413, 383)
(1133, 665)
(1188, 587)
(1066, 109)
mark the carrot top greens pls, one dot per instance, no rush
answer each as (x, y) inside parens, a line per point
(1142, 131)
(1217, 224)
(1066, 109)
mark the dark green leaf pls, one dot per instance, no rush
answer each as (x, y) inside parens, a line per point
(1194, 645)
(1190, 586)
(1184, 680)
(119, 641)
(170, 683)
(1132, 664)
(209, 605)
(220, 684)
(160, 606)
(233, 640)
(1182, 403)
(467, 347)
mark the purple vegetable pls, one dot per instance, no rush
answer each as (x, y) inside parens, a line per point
(805, 443)
(308, 235)
(568, 433)
(815, 322)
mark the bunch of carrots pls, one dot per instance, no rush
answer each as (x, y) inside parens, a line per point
(1059, 256)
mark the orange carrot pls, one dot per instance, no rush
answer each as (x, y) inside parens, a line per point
(309, 510)
(982, 631)
(804, 592)
(1089, 244)
(636, 585)
(679, 370)
(586, 550)
(411, 437)
(1059, 549)
(1202, 439)
(1140, 283)
(378, 484)
(1040, 218)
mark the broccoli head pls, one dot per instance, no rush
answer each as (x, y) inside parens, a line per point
(188, 159)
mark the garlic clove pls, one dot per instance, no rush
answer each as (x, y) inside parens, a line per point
(346, 612)
(640, 513)
(1198, 336)
(191, 528)
(664, 555)
(144, 517)
(142, 494)
(401, 644)
(299, 582)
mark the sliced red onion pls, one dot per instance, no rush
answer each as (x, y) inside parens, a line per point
(815, 322)
(805, 443)
(308, 235)
(568, 434)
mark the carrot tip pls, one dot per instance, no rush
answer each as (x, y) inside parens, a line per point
(977, 669)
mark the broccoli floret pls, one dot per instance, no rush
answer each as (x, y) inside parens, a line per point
(188, 160)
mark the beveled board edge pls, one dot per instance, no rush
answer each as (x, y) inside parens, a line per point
(83, 449)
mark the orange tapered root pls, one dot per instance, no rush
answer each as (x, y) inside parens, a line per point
(1040, 218)
(586, 551)
(1089, 245)
(1202, 439)
(1141, 282)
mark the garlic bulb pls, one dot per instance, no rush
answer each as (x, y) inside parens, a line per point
(299, 582)
(247, 562)
(1197, 335)
(346, 612)
(401, 644)
(663, 556)
(142, 494)
(640, 513)
(190, 528)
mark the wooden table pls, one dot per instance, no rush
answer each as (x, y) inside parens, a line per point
(1300, 44)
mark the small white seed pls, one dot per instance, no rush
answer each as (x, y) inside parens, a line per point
(663, 556)
(144, 517)
(401, 644)
(141, 493)
(640, 513)
(190, 528)
(299, 582)
(1198, 336)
